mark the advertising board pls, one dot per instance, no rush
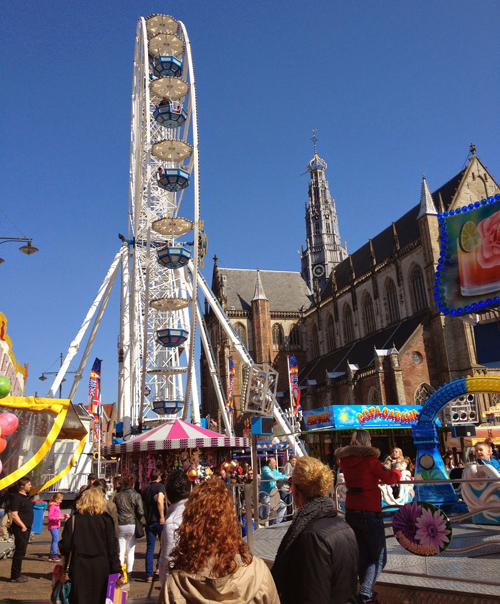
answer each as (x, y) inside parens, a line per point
(467, 278)
(351, 417)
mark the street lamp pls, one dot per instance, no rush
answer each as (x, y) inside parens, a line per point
(27, 249)
(44, 375)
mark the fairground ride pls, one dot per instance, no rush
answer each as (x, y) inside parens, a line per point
(165, 248)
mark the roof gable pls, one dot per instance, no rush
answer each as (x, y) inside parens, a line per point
(286, 291)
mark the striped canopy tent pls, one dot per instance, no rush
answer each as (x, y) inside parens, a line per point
(176, 434)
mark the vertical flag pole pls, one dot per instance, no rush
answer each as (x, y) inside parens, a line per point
(100, 427)
(290, 381)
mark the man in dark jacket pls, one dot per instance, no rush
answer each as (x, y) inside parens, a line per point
(154, 510)
(22, 521)
(317, 559)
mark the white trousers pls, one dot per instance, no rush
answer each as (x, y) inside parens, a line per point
(126, 541)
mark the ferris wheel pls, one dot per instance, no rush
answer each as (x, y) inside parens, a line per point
(160, 260)
(159, 319)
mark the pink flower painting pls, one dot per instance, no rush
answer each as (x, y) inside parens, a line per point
(488, 254)
(405, 520)
(431, 529)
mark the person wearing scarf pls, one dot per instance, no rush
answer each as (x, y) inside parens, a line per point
(317, 561)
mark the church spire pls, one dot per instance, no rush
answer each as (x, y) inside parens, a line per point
(259, 293)
(426, 203)
(324, 247)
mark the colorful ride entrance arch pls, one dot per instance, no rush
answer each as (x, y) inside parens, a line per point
(429, 463)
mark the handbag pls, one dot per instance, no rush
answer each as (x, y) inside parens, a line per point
(62, 586)
(139, 529)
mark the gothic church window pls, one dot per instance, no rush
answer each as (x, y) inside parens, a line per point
(278, 338)
(348, 325)
(422, 393)
(294, 337)
(373, 397)
(315, 342)
(417, 286)
(242, 333)
(391, 295)
(316, 228)
(330, 330)
(368, 313)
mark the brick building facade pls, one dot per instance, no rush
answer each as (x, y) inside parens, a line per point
(363, 326)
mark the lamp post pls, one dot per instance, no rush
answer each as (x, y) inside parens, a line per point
(27, 249)
(44, 375)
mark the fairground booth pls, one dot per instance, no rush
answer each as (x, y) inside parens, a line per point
(328, 428)
(174, 444)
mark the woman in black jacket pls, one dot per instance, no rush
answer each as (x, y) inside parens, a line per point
(129, 505)
(318, 557)
(94, 548)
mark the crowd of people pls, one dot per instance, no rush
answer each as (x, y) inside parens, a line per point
(322, 559)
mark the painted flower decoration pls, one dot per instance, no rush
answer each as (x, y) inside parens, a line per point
(405, 520)
(489, 252)
(431, 529)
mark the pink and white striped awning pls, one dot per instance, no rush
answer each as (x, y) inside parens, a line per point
(176, 434)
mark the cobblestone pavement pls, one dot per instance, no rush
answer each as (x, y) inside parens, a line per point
(38, 569)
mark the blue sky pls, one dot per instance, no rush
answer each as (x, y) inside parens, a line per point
(394, 89)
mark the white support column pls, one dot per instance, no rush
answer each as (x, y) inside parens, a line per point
(73, 347)
(124, 401)
(213, 373)
(93, 333)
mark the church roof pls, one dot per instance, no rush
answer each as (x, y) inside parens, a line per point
(361, 352)
(286, 291)
(383, 243)
(448, 190)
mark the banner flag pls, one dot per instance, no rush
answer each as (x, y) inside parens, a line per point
(229, 403)
(95, 397)
(293, 375)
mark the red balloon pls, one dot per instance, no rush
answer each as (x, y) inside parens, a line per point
(3, 444)
(8, 423)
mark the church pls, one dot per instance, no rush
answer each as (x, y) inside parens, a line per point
(363, 327)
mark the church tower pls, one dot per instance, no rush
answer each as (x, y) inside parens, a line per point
(323, 245)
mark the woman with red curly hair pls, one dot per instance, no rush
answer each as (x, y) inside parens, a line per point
(211, 562)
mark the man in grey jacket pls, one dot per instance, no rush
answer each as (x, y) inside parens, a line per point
(178, 489)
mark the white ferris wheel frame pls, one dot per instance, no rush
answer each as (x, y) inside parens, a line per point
(142, 279)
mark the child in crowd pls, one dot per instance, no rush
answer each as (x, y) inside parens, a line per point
(484, 455)
(54, 524)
